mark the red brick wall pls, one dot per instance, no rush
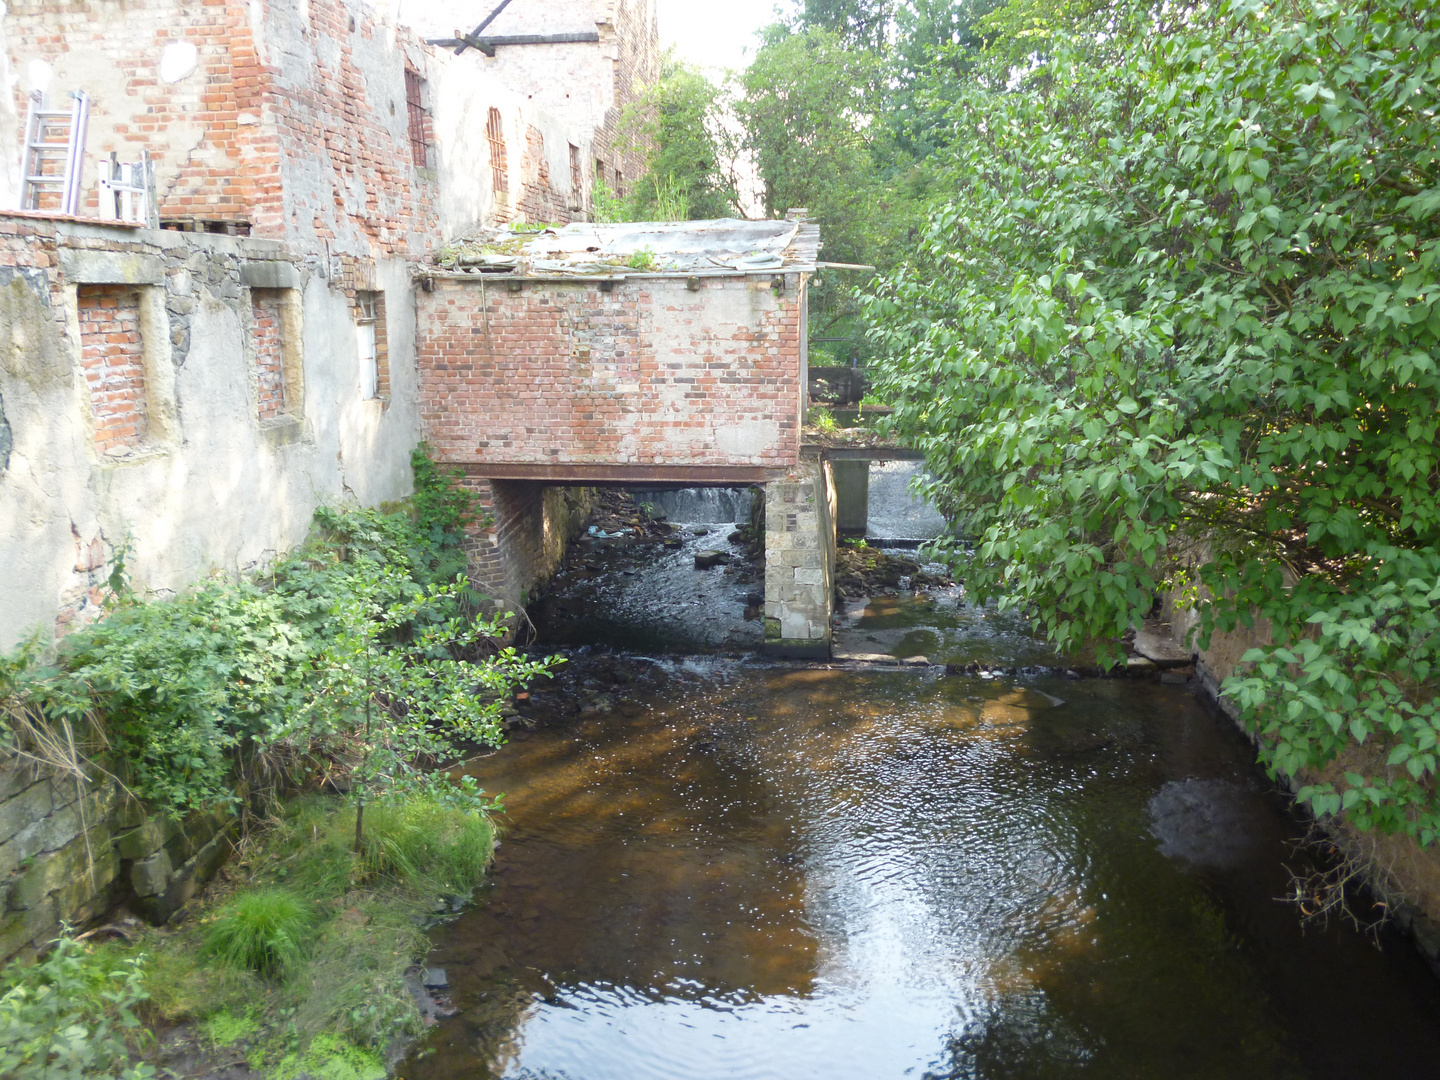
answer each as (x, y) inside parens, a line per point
(269, 352)
(521, 541)
(112, 358)
(344, 130)
(650, 373)
(209, 163)
(226, 139)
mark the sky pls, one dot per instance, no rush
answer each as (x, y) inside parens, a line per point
(714, 34)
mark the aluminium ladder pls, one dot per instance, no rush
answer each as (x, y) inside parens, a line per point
(126, 190)
(54, 154)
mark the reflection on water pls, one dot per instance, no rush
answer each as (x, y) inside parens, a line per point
(748, 871)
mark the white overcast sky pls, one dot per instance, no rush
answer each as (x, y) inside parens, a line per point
(714, 35)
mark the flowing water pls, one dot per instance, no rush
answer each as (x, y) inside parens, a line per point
(895, 513)
(720, 867)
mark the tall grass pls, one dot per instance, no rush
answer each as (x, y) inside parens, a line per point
(322, 936)
(262, 930)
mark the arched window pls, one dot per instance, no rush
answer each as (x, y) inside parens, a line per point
(495, 131)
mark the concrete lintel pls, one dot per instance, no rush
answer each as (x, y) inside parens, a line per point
(269, 274)
(578, 473)
(85, 267)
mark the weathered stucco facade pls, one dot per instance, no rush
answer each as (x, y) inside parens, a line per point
(208, 483)
(194, 392)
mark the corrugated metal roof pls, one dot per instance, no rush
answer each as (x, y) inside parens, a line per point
(722, 245)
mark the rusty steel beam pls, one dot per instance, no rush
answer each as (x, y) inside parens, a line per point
(576, 473)
(869, 453)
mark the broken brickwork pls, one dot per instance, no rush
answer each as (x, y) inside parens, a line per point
(113, 364)
(646, 371)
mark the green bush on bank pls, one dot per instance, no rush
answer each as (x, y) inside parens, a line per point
(72, 1015)
(204, 698)
(360, 654)
(1175, 327)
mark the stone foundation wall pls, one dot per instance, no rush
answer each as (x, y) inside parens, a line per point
(800, 562)
(71, 850)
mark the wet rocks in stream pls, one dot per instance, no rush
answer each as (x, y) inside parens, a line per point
(862, 570)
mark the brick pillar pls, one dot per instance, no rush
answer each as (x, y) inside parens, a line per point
(516, 549)
(486, 564)
(800, 562)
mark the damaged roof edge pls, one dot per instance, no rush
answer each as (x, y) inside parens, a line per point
(722, 247)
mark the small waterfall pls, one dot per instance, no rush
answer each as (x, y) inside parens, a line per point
(706, 504)
(896, 513)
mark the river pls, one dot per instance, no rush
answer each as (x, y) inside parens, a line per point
(715, 866)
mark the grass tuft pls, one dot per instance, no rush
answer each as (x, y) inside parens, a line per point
(262, 930)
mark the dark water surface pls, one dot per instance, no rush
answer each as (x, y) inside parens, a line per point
(727, 869)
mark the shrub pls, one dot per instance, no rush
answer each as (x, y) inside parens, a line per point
(262, 930)
(67, 1016)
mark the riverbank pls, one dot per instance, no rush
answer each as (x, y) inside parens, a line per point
(303, 958)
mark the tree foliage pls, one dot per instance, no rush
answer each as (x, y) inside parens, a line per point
(1178, 325)
(809, 125)
(679, 123)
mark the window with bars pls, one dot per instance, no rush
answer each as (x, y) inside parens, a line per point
(495, 132)
(419, 119)
(577, 175)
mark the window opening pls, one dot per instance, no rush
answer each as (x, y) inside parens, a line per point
(419, 120)
(113, 360)
(619, 184)
(269, 352)
(495, 132)
(577, 175)
(372, 346)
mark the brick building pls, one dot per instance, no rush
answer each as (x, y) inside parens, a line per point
(333, 149)
(651, 353)
(194, 382)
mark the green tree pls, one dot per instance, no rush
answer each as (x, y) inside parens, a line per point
(393, 681)
(858, 24)
(1179, 326)
(689, 151)
(808, 125)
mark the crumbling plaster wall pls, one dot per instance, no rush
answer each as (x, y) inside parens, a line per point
(571, 94)
(222, 491)
(9, 126)
(350, 181)
(463, 90)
